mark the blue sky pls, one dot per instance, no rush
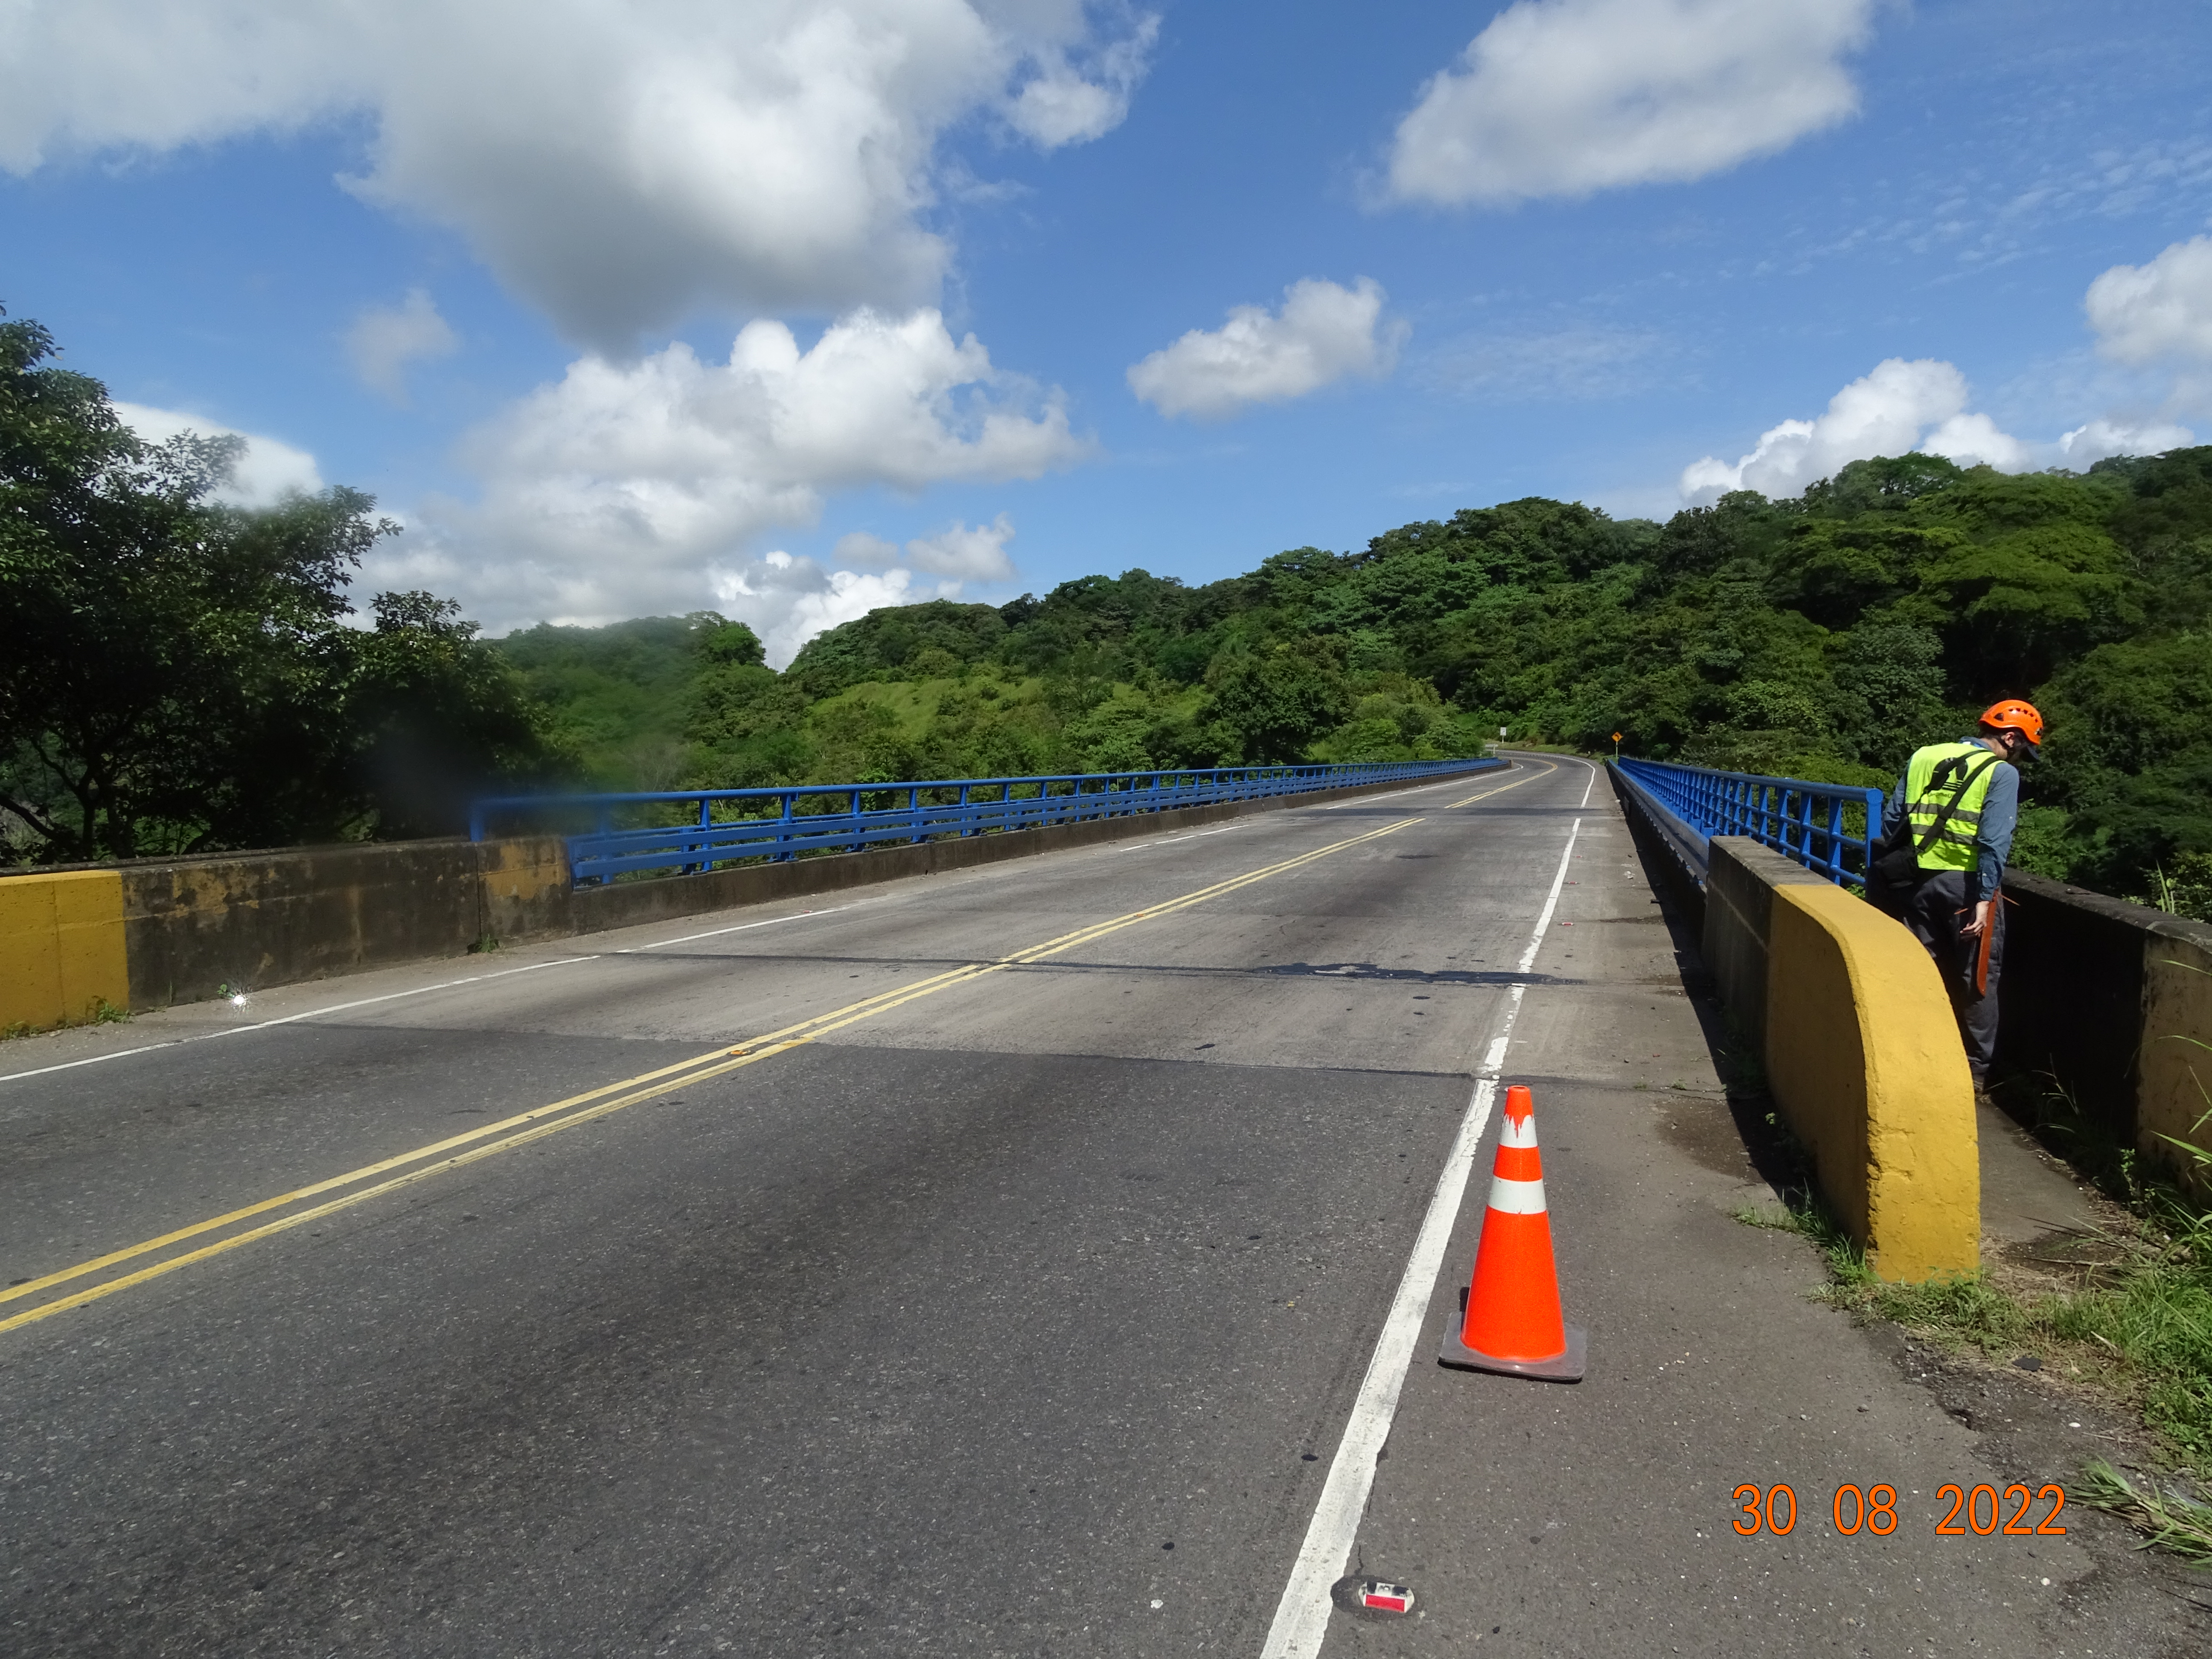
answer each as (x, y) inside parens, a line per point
(488, 261)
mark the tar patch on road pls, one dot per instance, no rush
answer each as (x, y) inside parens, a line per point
(1410, 975)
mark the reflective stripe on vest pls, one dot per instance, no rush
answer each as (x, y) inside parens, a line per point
(1931, 782)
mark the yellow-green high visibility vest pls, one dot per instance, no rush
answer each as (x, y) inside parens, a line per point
(1931, 783)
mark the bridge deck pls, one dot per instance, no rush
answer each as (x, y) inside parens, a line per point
(1012, 1292)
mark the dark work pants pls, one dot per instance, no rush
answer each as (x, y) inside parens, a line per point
(1934, 912)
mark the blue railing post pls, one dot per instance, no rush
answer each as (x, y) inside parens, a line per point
(706, 823)
(1777, 812)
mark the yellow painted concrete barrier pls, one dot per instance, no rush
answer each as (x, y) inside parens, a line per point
(2107, 1001)
(61, 948)
(1862, 1056)
(1864, 1059)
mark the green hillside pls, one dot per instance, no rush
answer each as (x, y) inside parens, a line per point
(186, 675)
(1820, 638)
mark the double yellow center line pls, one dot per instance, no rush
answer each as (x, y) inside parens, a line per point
(1549, 767)
(295, 1208)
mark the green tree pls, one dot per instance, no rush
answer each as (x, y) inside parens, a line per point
(2130, 756)
(884, 641)
(178, 674)
(434, 718)
(1273, 704)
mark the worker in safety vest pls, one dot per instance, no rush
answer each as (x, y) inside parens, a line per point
(1960, 802)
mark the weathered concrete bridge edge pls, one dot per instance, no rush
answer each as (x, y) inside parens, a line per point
(2110, 1001)
(147, 934)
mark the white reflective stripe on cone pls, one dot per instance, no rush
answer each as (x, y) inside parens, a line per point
(1516, 1197)
(1522, 1133)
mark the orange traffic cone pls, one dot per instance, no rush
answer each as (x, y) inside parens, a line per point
(1512, 1322)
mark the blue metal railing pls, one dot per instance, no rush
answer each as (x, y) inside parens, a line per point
(1805, 821)
(726, 826)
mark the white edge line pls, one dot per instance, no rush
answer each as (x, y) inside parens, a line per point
(293, 1019)
(1301, 1621)
(1146, 843)
(743, 926)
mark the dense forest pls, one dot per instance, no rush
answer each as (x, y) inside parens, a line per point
(182, 675)
(1820, 638)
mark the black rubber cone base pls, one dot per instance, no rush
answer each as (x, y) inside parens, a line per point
(1567, 1367)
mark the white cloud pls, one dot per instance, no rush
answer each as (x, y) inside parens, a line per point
(787, 600)
(2096, 441)
(621, 488)
(1976, 441)
(1566, 97)
(266, 472)
(616, 165)
(385, 339)
(1063, 106)
(2156, 312)
(1902, 406)
(1883, 413)
(977, 555)
(1323, 333)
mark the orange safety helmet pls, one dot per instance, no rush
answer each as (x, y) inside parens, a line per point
(2014, 714)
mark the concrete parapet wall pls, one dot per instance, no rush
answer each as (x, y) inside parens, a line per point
(2113, 1003)
(1675, 852)
(154, 932)
(2174, 1089)
(524, 889)
(2071, 999)
(262, 919)
(1862, 1056)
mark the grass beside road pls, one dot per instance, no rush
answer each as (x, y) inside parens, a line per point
(2131, 1322)
(2139, 1324)
(2170, 1520)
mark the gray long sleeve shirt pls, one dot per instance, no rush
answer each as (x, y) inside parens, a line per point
(1992, 840)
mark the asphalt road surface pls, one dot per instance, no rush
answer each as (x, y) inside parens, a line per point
(1041, 1260)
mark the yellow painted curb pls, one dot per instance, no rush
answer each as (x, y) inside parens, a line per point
(1865, 1059)
(61, 948)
